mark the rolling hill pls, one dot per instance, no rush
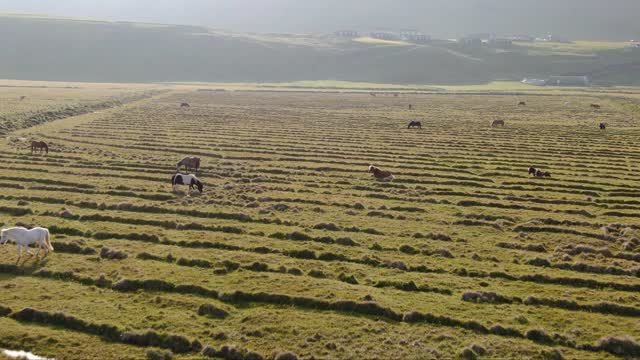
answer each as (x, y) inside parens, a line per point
(43, 48)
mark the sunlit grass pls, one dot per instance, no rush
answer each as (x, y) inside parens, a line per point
(370, 40)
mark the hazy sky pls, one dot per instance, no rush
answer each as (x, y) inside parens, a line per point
(575, 18)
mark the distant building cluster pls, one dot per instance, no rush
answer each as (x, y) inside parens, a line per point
(492, 39)
(347, 33)
(484, 39)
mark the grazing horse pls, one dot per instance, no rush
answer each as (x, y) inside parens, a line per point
(39, 145)
(185, 105)
(186, 180)
(410, 106)
(24, 237)
(190, 162)
(413, 124)
(595, 106)
(380, 174)
(372, 94)
(522, 103)
(603, 126)
(22, 97)
(497, 123)
(538, 173)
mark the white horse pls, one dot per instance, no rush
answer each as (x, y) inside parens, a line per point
(24, 237)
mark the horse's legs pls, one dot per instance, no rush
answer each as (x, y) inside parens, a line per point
(19, 252)
(39, 248)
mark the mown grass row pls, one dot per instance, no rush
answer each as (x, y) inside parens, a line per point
(368, 261)
(347, 307)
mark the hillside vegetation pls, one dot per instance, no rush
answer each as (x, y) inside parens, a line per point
(64, 49)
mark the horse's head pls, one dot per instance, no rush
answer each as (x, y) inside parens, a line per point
(372, 168)
(532, 170)
(199, 185)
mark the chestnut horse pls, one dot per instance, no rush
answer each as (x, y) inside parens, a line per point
(39, 145)
(380, 174)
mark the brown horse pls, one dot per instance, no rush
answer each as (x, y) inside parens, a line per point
(595, 106)
(185, 105)
(39, 145)
(413, 124)
(522, 103)
(190, 162)
(497, 123)
(380, 174)
(603, 126)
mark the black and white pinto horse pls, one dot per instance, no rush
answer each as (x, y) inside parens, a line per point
(413, 124)
(186, 180)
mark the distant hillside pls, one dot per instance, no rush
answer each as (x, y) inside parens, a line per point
(74, 50)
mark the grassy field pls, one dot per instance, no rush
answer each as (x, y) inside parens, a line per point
(293, 247)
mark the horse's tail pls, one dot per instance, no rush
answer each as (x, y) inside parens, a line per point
(47, 241)
(46, 147)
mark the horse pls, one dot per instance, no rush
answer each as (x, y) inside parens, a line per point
(190, 162)
(603, 126)
(413, 124)
(380, 174)
(497, 123)
(185, 105)
(22, 97)
(410, 106)
(595, 106)
(522, 103)
(39, 145)
(186, 180)
(538, 173)
(24, 237)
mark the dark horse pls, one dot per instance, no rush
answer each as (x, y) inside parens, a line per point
(39, 145)
(595, 106)
(186, 180)
(603, 126)
(497, 123)
(413, 124)
(185, 105)
(380, 174)
(538, 173)
(522, 103)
